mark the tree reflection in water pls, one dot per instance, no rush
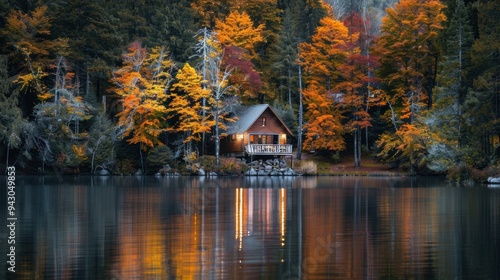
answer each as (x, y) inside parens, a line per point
(255, 227)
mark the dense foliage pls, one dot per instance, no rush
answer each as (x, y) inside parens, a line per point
(91, 85)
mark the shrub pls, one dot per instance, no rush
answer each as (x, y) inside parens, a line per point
(125, 167)
(207, 162)
(307, 167)
(232, 166)
(465, 172)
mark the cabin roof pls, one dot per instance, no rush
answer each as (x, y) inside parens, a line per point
(248, 115)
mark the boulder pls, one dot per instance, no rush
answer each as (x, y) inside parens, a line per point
(103, 172)
(201, 172)
(275, 172)
(289, 172)
(251, 172)
(261, 173)
(494, 180)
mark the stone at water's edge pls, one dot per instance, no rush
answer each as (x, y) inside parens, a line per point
(494, 180)
(251, 172)
(201, 172)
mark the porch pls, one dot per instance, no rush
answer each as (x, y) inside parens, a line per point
(269, 149)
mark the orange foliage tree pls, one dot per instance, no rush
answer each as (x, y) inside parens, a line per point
(322, 60)
(324, 129)
(142, 83)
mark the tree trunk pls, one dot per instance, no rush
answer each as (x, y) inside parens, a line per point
(142, 158)
(299, 132)
(355, 138)
(7, 158)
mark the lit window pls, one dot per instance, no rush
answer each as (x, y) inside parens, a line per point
(263, 121)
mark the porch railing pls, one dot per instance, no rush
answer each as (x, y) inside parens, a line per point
(268, 149)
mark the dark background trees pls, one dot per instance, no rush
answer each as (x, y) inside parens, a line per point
(444, 82)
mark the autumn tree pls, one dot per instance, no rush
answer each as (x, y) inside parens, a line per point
(32, 49)
(185, 105)
(322, 60)
(356, 83)
(407, 147)
(408, 54)
(239, 38)
(323, 129)
(238, 30)
(142, 83)
(244, 77)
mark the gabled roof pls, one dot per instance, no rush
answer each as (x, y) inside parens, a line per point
(247, 116)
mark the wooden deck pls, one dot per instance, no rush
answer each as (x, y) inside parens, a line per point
(269, 149)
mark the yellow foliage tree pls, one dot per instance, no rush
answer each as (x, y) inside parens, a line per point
(238, 30)
(186, 105)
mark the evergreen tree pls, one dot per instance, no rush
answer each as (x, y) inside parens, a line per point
(94, 39)
(446, 119)
(11, 116)
(284, 58)
(481, 108)
(101, 143)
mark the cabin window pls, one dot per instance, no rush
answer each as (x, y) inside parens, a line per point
(263, 121)
(233, 137)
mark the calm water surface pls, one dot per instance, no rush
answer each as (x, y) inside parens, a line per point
(253, 228)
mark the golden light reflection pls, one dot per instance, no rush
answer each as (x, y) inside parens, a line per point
(239, 217)
(282, 215)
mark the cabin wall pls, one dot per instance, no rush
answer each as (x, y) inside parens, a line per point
(233, 144)
(272, 127)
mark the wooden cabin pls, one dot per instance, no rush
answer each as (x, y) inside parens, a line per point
(258, 131)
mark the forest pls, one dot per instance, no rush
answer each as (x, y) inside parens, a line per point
(134, 85)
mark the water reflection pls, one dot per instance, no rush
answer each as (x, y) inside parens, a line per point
(254, 228)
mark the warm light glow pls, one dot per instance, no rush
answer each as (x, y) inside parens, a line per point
(282, 214)
(239, 217)
(283, 139)
(239, 136)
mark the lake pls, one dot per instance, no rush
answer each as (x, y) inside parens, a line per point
(252, 228)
